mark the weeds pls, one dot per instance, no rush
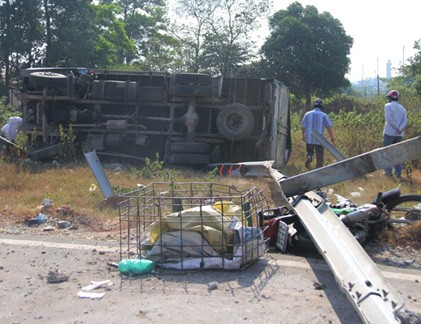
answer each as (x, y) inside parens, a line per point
(156, 170)
(6, 111)
(67, 151)
(211, 175)
(408, 170)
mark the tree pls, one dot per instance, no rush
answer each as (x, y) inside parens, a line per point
(217, 33)
(308, 51)
(111, 39)
(191, 28)
(145, 23)
(414, 67)
(20, 32)
(408, 82)
(69, 32)
(5, 32)
(28, 33)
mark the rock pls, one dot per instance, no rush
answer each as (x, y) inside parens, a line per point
(48, 202)
(56, 277)
(318, 285)
(32, 222)
(64, 224)
(213, 285)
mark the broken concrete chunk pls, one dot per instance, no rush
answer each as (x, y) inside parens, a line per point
(56, 277)
(64, 224)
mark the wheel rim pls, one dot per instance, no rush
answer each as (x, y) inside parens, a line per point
(234, 122)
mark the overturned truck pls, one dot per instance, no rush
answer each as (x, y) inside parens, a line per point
(185, 118)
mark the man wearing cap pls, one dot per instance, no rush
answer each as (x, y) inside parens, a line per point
(317, 120)
(395, 122)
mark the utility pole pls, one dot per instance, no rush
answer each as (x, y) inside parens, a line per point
(403, 55)
(378, 81)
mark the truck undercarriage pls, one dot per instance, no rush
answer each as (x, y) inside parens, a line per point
(184, 118)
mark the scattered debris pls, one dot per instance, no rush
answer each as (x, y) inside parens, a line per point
(40, 219)
(56, 277)
(91, 295)
(48, 202)
(213, 285)
(32, 222)
(318, 285)
(97, 284)
(85, 292)
(112, 264)
(64, 224)
(356, 194)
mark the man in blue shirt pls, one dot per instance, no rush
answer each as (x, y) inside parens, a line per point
(317, 120)
(395, 122)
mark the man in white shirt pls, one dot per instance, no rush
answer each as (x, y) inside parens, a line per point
(394, 127)
(10, 130)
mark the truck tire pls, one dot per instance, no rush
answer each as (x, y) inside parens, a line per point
(188, 90)
(192, 78)
(48, 79)
(189, 159)
(235, 122)
(190, 147)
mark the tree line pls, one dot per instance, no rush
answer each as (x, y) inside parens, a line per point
(306, 49)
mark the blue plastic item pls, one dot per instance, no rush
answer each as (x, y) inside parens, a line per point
(41, 218)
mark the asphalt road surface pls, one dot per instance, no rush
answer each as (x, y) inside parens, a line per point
(278, 288)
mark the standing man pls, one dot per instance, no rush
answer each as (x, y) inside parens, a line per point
(395, 122)
(317, 120)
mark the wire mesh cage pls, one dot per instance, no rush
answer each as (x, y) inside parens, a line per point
(194, 225)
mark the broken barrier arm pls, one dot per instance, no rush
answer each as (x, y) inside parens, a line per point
(352, 168)
(375, 300)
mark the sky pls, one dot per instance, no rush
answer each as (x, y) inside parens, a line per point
(382, 30)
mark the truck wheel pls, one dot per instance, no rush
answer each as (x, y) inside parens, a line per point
(192, 78)
(190, 147)
(189, 159)
(48, 79)
(188, 90)
(235, 122)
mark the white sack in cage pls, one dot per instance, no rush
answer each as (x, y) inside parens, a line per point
(206, 220)
(190, 250)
